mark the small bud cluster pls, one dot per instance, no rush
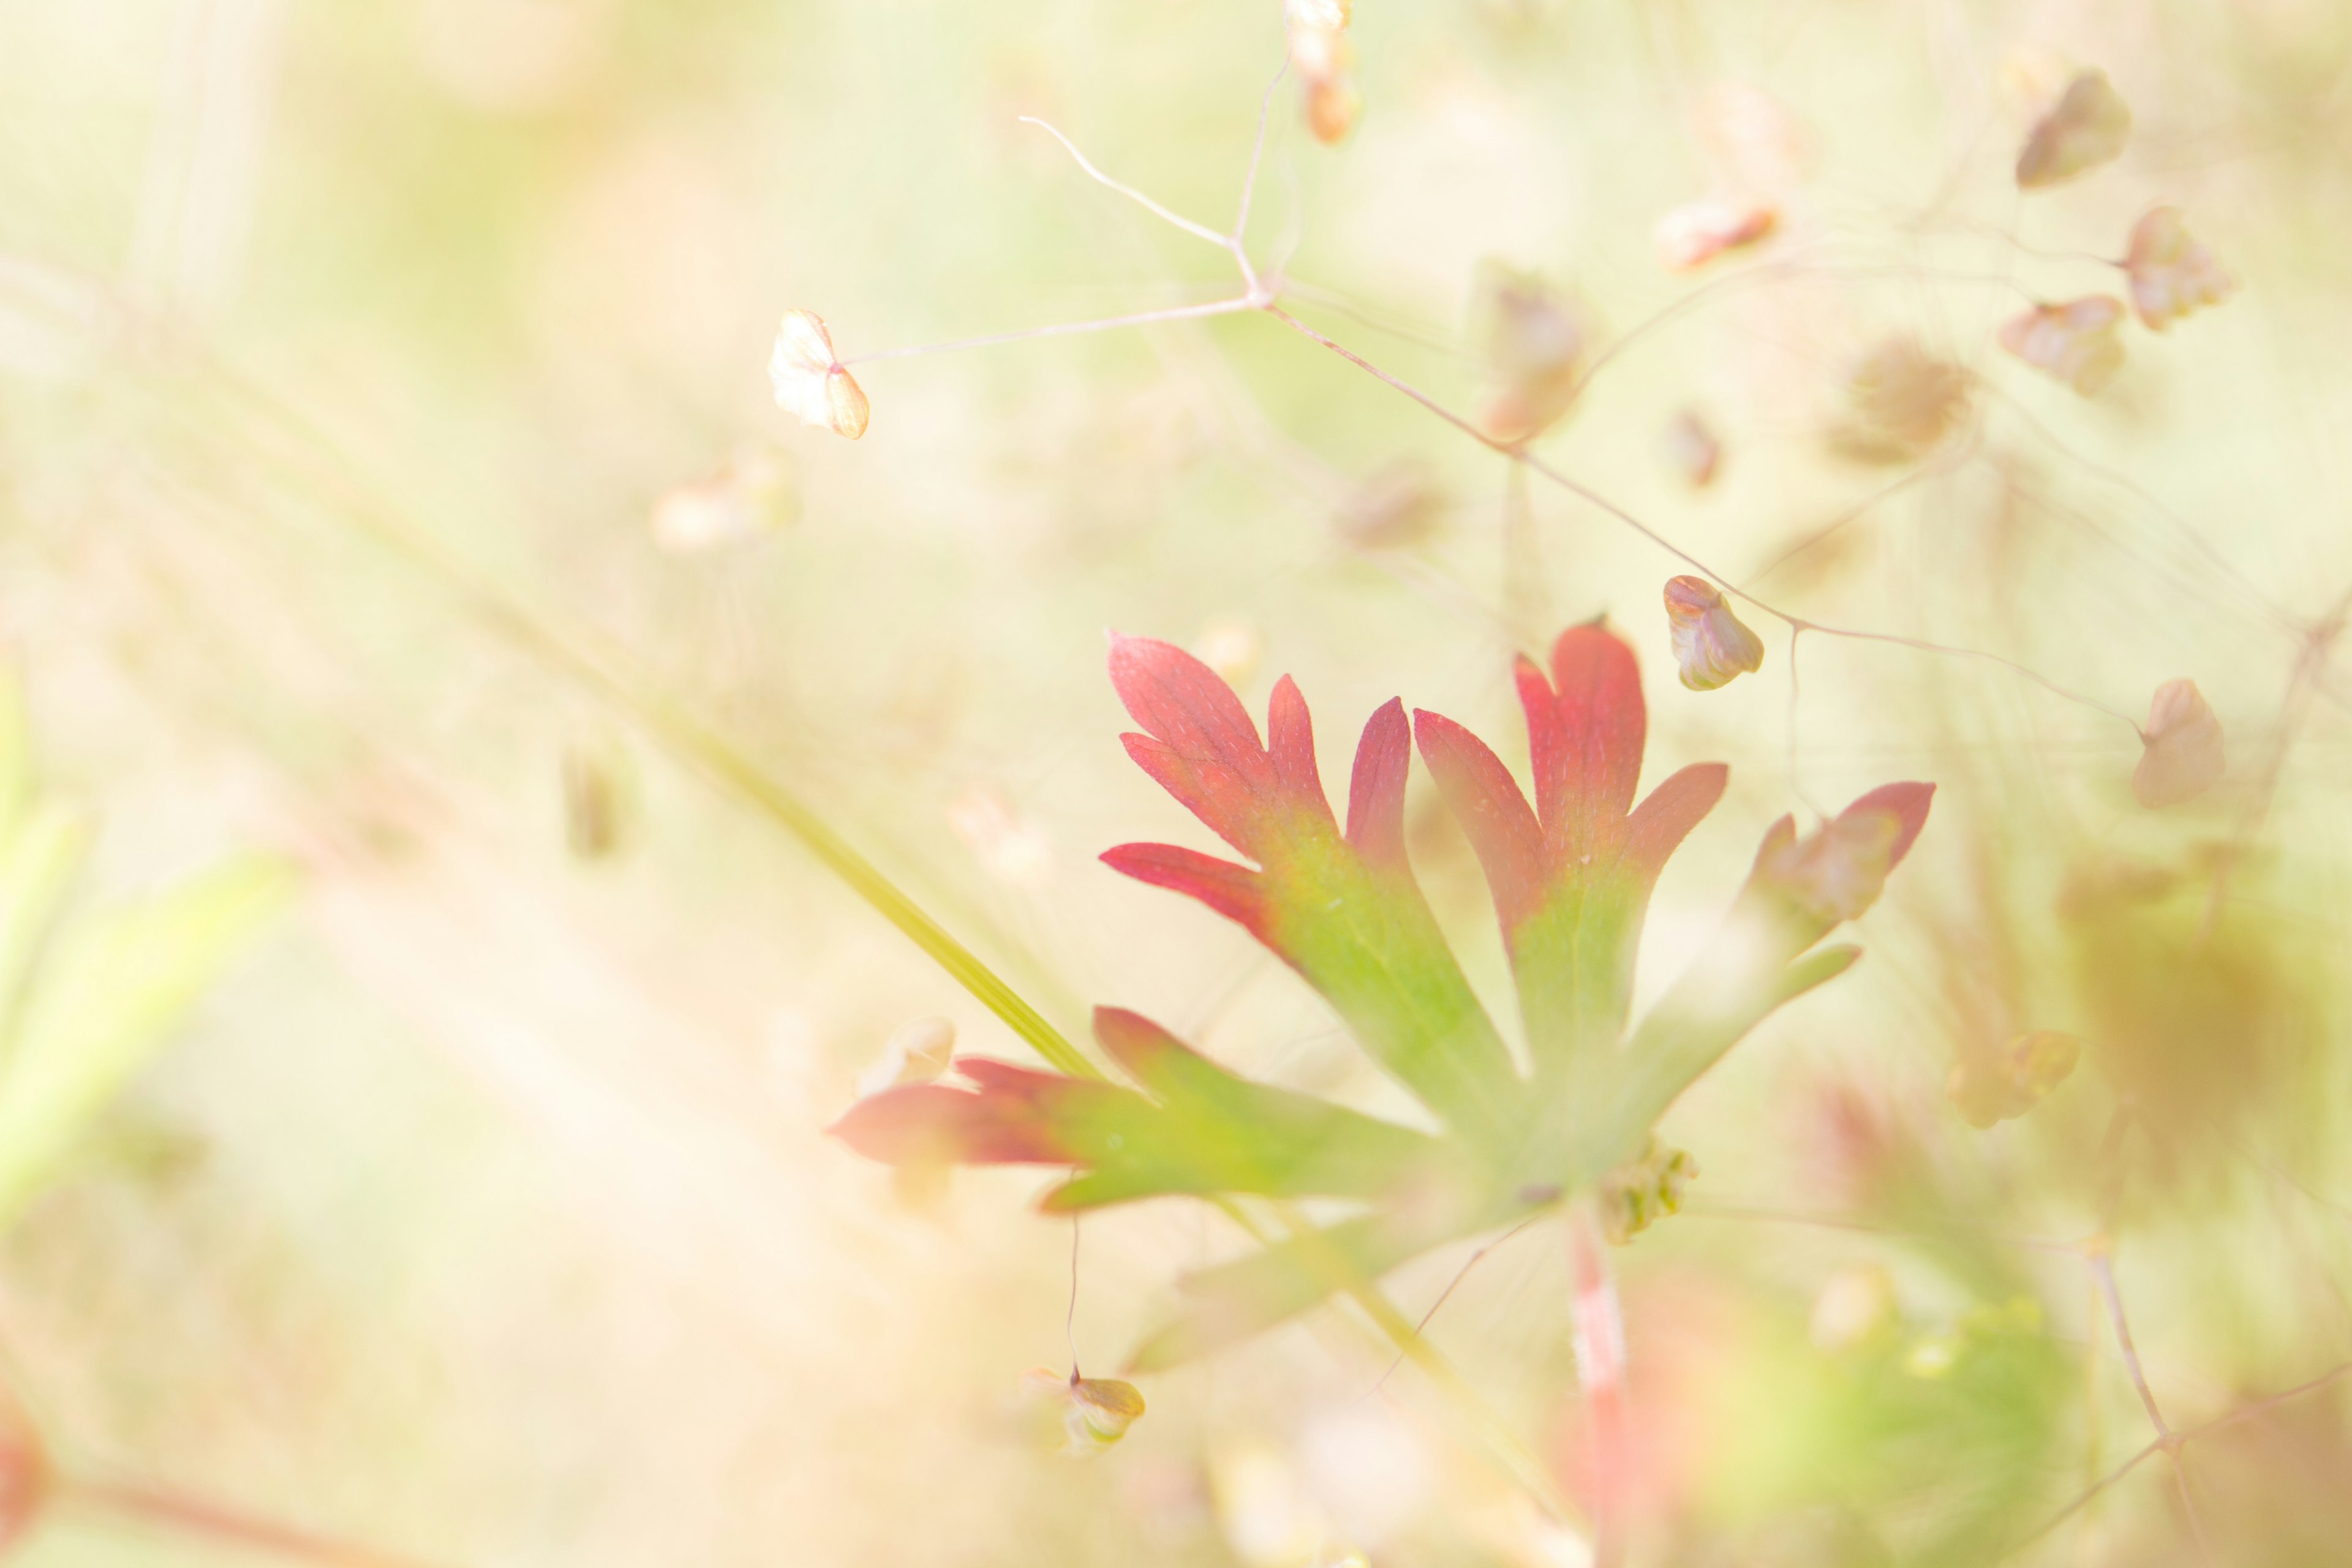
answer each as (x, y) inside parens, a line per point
(1640, 1193)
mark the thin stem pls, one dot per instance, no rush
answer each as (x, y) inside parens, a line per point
(1222, 242)
(1443, 1295)
(2075, 1506)
(1070, 1317)
(695, 743)
(2103, 1270)
(1257, 153)
(1585, 492)
(141, 1503)
(1855, 512)
(2265, 1406)
(1140, 319)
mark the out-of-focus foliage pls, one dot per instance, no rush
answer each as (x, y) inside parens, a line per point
(390, 477)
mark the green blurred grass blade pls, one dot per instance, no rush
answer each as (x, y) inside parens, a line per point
(107, 998)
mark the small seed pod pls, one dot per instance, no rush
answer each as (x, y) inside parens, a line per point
(1532, 339)
(2171, 274)
(2074, 342)
(2087, 128)
(1711, 645)
(2183, 754)
(810, 380)
(1079, 1418)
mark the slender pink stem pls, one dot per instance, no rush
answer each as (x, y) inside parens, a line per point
(1600, 1368)
(1519, 454)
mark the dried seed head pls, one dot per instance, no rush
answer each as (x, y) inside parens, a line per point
(2074, 342)
(810, 382)
(1697, 232)
(1711, 645)
(2086, 127)
(2171, 273)
(918, 1052)
(1902, 401)
(2182, 756)
(1533, 344)
(1989, 1088)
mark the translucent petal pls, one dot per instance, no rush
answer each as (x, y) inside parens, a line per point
(809, 380)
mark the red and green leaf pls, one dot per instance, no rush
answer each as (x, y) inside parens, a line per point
(1571, 876)
(1198, 1129)
(1343, 910)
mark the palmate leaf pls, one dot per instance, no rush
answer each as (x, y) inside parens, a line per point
(1571, 877)
(1203, 1130)
(1342, 909)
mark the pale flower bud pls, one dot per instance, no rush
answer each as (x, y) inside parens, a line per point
(2074, 342)
(2171, 274)
(1711, 645)
(810, 382)
(2183, 756)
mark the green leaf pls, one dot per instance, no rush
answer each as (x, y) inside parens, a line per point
(105, 1001)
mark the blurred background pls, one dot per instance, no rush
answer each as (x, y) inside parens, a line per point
(420, 1049)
